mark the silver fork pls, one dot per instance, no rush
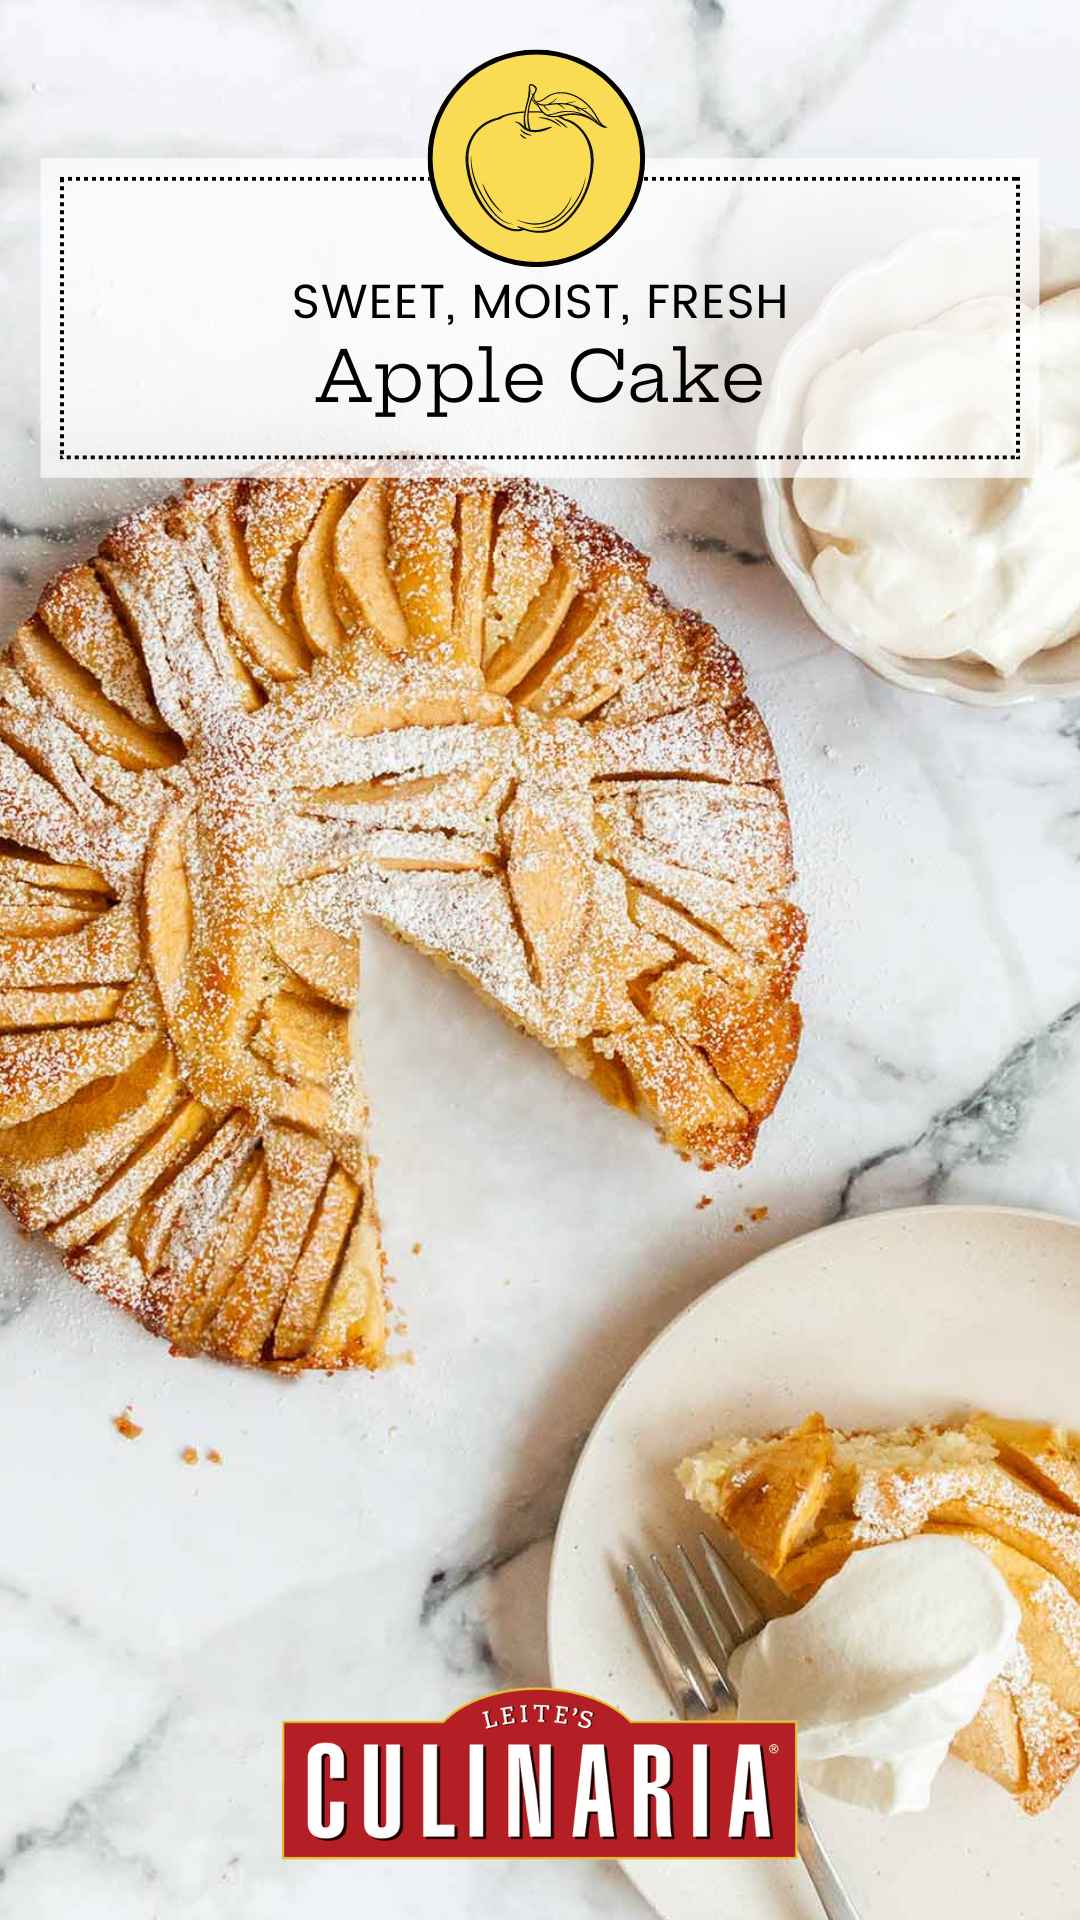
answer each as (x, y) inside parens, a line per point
(701, 1685)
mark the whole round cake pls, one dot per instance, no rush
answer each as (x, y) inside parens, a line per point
(274, 708)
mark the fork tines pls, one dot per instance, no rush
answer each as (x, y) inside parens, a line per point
(693, 1664)
(692, 1658)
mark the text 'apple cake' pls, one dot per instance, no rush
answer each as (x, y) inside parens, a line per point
(800, 1503)
(273, 708)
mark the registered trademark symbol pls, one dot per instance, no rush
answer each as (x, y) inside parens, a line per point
(773, 1748)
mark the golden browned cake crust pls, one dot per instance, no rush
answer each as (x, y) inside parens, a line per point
(271, 709)
(799, 1503)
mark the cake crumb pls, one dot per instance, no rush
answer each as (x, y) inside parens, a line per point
(125, 1425)
(417, 1246)
(739, 1228)
(705, 1201)
(213, 1454)
(189, 1456)
(757, 1213)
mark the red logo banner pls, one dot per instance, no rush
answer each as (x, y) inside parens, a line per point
(540, 1773)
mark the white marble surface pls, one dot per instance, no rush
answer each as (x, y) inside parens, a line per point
(381, 1545)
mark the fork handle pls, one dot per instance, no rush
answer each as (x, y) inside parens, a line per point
(827, 1883)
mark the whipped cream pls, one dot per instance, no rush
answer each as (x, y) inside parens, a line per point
(883, 1666)
(933, 564)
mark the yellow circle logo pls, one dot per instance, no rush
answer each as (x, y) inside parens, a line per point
(536, 157)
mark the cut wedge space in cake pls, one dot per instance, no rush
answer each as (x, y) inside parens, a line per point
(800, 1503)
(271, 709)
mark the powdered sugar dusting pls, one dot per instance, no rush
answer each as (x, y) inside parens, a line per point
(227, 785)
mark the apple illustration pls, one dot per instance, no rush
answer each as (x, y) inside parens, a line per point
(531, 170)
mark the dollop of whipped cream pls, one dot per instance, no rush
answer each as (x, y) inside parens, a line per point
(888, 1661)
(933, 564)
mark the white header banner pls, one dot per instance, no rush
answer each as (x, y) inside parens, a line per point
(221, 316)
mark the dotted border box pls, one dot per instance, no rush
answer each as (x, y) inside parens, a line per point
(561, 457)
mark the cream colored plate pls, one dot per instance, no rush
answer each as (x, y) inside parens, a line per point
(875, 1321)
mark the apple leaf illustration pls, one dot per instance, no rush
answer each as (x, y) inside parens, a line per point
(567, 106)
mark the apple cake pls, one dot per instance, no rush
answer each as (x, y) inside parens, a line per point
(801, 1502)
(270, 709)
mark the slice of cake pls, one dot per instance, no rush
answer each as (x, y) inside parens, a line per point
(800, 1503)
